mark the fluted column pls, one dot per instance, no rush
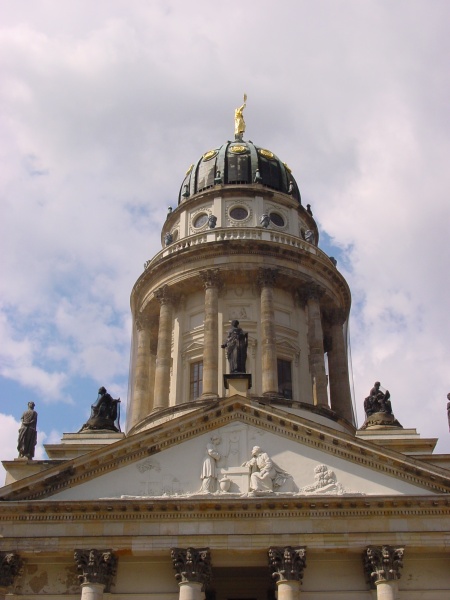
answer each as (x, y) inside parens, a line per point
(10, 566)
(311, 295)
(164, 351)
(340, 396)
(212, 282)
(97, 571)
(143, 385)
(193, 571)
(266, 282)
(382, 566)
(287, 565)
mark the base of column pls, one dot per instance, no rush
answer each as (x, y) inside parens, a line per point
(211, 397)
(237, 383)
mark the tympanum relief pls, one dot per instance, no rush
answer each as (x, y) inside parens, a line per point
(222, 464)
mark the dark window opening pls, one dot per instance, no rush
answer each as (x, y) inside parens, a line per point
(284, 378)
(238, 169)
(196, 380)
(270, 173)
(277, 219)
(238, 213)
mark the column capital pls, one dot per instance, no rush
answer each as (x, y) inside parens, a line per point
(336, 316)
(267, 277)
(211, 278)
(10, 567)
(309, 291)
(144, 321)
(96, 566)
(383, 563)
(164, 295)
(287, 563)
(192, 565)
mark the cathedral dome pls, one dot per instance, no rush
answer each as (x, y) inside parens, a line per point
(238, 162)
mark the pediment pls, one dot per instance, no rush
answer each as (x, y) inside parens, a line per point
(173, 459)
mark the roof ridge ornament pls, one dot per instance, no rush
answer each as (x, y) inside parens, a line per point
(239, 123)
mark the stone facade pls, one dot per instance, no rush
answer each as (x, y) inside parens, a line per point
(251, 486)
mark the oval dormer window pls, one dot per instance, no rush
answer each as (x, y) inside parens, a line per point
(277, 219)
(200, 220)
(238, 213)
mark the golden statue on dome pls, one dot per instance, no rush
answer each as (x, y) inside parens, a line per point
(239, 123)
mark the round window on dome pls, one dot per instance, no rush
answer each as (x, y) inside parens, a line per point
(200, 220)
(238, 213)
(277, 219)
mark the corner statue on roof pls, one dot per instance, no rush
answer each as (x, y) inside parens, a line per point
(28, 433)
(105, 413)
(378, 408)
(236, 345)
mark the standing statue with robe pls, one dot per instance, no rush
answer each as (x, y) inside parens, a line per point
(239, 123)
(28, 433)
(236, 345)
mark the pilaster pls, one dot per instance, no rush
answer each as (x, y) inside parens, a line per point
(340, 396)
(311, 295)
(266, 282)
(143, 383)
(164, 351)
(212, 283)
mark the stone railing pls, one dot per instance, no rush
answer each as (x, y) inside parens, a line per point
(236, 233)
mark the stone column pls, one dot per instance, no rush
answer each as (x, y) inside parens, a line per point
(143, 385)
(193, 571)
(10, 566)
(382, 566)
(164, 351)
(266, 282)
(212, 282)
(287, 565)
(340, 396)
(311, 294)
(97, 571)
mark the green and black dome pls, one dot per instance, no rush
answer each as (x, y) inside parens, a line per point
(238, 163)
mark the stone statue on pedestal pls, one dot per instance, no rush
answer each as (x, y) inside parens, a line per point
(378, 408)
(104, 413)
(236, 345)
(28, 433)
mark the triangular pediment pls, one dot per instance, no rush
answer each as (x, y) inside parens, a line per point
(173, 459)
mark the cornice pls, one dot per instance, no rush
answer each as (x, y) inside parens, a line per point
(184, 265)
(216, 415)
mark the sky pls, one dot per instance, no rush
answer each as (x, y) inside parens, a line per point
(104, 105)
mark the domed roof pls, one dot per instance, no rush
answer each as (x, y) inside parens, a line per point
(238, 163)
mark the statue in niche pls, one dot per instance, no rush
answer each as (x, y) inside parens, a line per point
(239, 123)
(236, 345)
(212, 221)
(209, 468)
(105, 413)
(27, 440)
(265, 475)
(377, 401)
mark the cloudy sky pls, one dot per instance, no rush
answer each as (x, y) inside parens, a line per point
(105, 104)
